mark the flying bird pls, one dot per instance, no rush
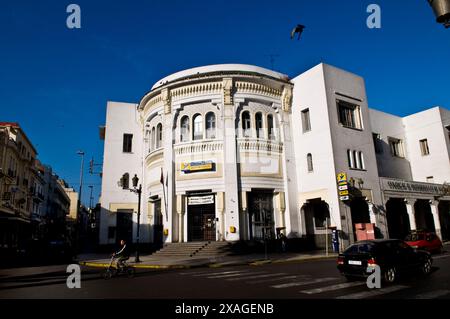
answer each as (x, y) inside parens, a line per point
(298, 29)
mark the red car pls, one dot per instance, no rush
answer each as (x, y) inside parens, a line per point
(424, 241)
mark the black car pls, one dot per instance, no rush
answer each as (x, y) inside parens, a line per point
(395, 257)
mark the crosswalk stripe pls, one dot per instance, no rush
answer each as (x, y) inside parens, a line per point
(210, 273)
(232, 275)
(275, 279)
(304, 283)
(433, 294)
(372, 293)
(332, 288)
(258, 276)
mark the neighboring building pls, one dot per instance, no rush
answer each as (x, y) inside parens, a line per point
(56, 205)
(20, 187)
(73, 196)
(238, 152)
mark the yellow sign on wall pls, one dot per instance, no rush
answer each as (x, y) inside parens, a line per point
(197, 166)
(341, 177)
(343, 193)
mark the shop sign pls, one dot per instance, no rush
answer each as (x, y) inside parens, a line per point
(197, 166)
(201, 200)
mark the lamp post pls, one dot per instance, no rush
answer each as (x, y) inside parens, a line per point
(81, 153)
(91, 199)
(138, 190)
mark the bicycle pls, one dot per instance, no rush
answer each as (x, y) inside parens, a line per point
(112, 271)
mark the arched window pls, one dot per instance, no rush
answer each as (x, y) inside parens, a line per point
(259, 125)
(310, 162)
(159, 136)
(184, 136)
(152, 147)
(198, 127)
(270, 130)
(210, 125)
(246, 124)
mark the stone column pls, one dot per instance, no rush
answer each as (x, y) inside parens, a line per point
(411, 213)
(221, 209)
(230, 162)
(282, 210)
(180, 211)
(169, 220)
(244, 215)
(437, 221)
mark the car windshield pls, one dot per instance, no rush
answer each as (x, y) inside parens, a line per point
(360, 249)
(415, 237)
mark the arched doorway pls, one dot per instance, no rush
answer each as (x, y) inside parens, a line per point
(444, 217)
(423, 215)
(397, 218)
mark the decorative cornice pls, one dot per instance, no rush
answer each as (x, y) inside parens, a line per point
(196, 89)
(255, 88)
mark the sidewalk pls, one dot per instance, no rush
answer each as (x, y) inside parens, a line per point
(151, 262)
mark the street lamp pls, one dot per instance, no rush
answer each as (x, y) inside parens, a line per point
(81, 153)
(91, 199)
(441, 10)
(138, 191)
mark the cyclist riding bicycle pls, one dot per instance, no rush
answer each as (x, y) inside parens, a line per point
(122, 255)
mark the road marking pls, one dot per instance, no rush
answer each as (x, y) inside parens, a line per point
(275, 279)
(304, 283)
(372, 293)
(258, 276)
(442, 256)
(206, 273)
(332, 288)
(433, 294)
(232, 275)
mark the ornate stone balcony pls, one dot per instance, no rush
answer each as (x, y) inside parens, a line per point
(154, 154)
(201, 146)
(254, 144)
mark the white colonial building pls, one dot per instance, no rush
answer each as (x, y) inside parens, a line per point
(237, 152)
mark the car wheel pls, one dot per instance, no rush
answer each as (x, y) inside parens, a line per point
(390, 275)
(426, 267)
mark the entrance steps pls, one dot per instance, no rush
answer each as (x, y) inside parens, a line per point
(206, 249)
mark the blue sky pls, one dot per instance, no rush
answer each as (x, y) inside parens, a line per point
(55, 81)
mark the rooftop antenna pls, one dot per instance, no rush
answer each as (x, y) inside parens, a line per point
(272, 60)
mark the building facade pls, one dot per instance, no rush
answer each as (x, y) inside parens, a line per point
(20, 187)
(238, 152)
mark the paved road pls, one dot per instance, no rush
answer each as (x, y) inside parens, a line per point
(313, 279)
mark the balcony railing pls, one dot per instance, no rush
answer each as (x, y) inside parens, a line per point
(253, 144)
(154, 153)
(198, 147)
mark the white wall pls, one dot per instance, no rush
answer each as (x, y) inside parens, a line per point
(121, 118)
(388, 125)
(309, 92)
(429, 124)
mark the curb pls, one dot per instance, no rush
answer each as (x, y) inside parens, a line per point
(260, 262)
